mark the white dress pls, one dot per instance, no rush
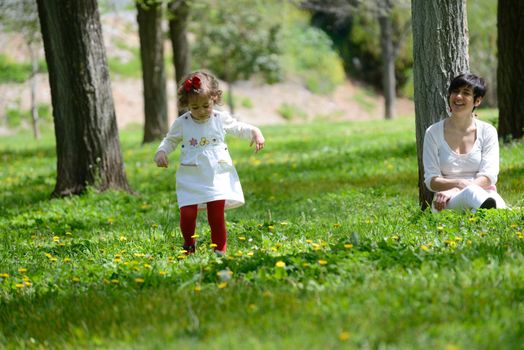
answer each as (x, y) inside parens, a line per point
(206, 172)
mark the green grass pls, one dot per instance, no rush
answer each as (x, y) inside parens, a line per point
(330, 251)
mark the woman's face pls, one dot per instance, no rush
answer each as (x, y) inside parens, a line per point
(462, 100)
(200, 106)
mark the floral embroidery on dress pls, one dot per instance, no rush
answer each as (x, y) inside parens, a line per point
(193, 142)
(204, 141)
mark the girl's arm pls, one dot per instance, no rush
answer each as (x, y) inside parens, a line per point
(168, 144)
(243, 130)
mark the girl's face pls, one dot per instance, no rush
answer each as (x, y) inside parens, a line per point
(462, 100)
(200, 106)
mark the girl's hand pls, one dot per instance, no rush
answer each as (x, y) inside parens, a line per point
(161, 159)
(258, 139)
(442, 198)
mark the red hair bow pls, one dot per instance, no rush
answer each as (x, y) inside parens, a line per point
(193, 83)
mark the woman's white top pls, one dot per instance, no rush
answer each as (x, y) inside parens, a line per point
(440, 160)
(206, 172)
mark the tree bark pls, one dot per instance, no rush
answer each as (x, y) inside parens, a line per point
(149, 20)
(87, 143)
(388, 65)
(440, 52)
(510, 70)
(34, 107)
(178, 21)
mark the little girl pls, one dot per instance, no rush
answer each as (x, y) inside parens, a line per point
(206, 177)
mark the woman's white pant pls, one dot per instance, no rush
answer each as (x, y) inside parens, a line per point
(472, 197)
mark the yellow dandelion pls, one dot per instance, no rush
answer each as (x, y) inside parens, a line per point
(473, 219)
(27, 284)
(242, 238)
(424, 248)
(197, 289)
(49, 256)
(139, 280)
(53, 259)
(308, 241)
(117, 259)
(123, 238)
(458, 239)
(239, 253)
(69, 234)
(280, 264)
(19, 285)
(147, 266)
(222, 285)
(110, 221)
(337, 225)
(170, 259)
(194, 236)
(162, 273)
(22, 270)
(105, 281)
(154, 226)
(284, 223)
(322, 262)
(139, 255)
(440, 228)
(75, 279)
(115, 281)
(520, 234)
(271, 228)
(4, 275)
(250, 254)
(344, 335)
(213, 245)
(348, 245)
(482, 234)
(56, 239)
(452, 347)
(181, 257)
(25, 279)
(306, 265)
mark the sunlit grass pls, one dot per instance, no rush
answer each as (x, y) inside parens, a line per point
(330, 251)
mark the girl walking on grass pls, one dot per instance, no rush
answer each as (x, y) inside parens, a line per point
(206, 178)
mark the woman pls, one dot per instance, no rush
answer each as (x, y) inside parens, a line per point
(461, 153)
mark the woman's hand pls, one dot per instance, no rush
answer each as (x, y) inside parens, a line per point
(161, 159)
(258, 139)
(441, 198)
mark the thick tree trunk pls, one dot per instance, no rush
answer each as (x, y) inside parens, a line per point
(388, 65)
(149, 19)
(178, 21)
(440, 52)
(87, 143)
(510, 71)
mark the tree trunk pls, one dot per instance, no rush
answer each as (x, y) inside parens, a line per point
(149, 19)
(178, 21)
(388, 65)
(34, 107)
(510, 70)
(230, 99)
(440, 52)
(87, 143)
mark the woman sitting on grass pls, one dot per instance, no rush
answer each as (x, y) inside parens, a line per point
(461, 153)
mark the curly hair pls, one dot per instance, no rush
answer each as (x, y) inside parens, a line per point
(198, 83)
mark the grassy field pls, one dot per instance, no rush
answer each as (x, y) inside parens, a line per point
(330, 252)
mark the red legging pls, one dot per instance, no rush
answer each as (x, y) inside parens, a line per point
(215, 217)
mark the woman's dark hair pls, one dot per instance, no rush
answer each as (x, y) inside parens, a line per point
(470, 80)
